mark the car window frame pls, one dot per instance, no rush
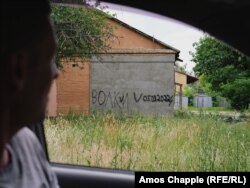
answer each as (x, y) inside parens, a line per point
(125, 177)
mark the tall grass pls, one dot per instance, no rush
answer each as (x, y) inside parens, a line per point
(182, 143)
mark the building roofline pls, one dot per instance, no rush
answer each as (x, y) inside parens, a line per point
(190, 78)
(141, 51)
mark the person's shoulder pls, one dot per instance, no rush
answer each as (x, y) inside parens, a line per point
(25, 134)
(25, 139)
(27, 149)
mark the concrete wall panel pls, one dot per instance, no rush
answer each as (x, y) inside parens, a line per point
(131, 84)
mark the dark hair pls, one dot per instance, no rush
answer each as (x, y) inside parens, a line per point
(21, 23)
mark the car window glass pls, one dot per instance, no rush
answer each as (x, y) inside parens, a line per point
(138, 104)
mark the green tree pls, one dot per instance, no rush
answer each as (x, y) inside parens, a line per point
(180, 68)
(191, 90)
(224, 71)
(81, 31)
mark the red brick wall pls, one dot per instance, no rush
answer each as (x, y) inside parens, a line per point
(73, 87)
(127, 38)
(52, 103)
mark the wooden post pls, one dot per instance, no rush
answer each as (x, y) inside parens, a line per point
(180, 96)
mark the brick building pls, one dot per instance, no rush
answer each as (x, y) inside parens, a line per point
(136, 75)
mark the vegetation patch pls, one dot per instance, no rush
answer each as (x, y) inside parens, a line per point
(182, 143)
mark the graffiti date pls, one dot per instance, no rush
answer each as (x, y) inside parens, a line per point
(153, 98)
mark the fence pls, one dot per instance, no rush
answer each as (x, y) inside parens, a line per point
(203, 101)
(180, 102)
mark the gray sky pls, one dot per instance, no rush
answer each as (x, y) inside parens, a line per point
(169, 31)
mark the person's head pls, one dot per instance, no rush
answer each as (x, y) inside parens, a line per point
(27, 47)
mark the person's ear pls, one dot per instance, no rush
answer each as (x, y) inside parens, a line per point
(18, 68)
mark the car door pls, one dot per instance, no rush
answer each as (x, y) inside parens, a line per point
(196, 13)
